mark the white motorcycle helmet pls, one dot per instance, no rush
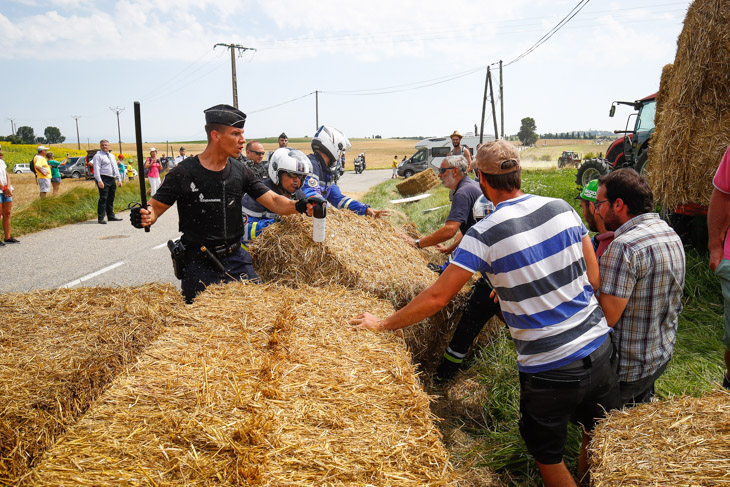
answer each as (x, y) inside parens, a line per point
(332, 142)
(288, 160)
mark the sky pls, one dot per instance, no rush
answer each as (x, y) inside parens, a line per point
(394, 69)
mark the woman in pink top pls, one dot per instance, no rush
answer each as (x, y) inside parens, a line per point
(153, 166)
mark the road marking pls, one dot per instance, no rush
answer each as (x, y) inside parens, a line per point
(92, 275)
(159, 246)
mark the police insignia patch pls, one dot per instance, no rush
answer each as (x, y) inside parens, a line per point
(312, 182)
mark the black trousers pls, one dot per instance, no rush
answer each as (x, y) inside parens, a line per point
(199, 272)
(106, 197)
(479, 309)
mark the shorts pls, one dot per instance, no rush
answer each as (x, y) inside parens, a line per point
(573, 393)
(55, 180)
(723, 272)
(45, 185)
(5, 199)
(639, 391)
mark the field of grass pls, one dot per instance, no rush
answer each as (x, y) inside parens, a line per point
(696, 366)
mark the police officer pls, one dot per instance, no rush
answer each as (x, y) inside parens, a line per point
(328, 145)
(287, 170)
(208, 189)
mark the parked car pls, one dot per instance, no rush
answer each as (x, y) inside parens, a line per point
(74, 167)
(22, 168)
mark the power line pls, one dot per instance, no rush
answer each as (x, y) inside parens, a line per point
(282, 103)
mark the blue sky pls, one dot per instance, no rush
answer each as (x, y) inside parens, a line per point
(62, 58)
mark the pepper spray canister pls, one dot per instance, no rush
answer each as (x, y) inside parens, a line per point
(318, 221)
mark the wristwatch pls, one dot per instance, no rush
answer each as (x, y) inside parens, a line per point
(418, 243)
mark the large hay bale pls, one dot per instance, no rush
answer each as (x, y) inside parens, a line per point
(418, 183)
(60, 349)
(682, 441)
(363, 254)
(268, 386)
(693, 129)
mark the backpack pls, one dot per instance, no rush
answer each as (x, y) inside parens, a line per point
(32, 166)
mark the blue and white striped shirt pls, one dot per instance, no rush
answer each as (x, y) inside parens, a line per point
(531, 251)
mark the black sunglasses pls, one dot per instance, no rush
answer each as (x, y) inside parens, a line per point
(294, 175)
(444, 169)
(258, 153)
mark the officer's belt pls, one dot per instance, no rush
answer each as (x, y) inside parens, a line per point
(220, 251)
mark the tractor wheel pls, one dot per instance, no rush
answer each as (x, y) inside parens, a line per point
(590, 170)
(641, 162)
(408, 173)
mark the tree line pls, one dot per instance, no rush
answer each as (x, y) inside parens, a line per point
(26, 135)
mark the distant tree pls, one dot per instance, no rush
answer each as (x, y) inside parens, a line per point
(13, 139)
(528, 131)
(41, 140)
(26, 134)
(53, 135)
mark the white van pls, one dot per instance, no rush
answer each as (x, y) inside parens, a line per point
(432, 151)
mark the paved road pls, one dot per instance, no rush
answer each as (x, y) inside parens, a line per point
(89, 254)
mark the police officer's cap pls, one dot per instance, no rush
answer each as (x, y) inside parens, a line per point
(283, 136)
(225, 115)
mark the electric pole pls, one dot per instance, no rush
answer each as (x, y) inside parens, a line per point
(484, 106)
(12, 125)
(494, 113)
(316, 110)
(118, 110)
(240, 49)
(78, 140)
(501, 97)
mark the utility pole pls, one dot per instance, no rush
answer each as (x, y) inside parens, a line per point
(316, 108)
(484, 106)
(494, 113)
(118, 110)
(501, 97)
(234, 81)
(12, 125)
(78, 140)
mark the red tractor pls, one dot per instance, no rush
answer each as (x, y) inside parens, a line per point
(629, 151)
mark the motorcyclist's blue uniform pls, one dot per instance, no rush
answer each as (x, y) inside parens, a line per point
(256, 217)
(321, 182)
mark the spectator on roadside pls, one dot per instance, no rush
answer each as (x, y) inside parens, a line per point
(458, 149)
(153, 167)
(587, 199)
(283, 140)
(544, 276)
(122, 167)
(254, 157)
(42, 171)
(106, 174)
(55, 173)
(395, 168)
(642, 277)
(180, 157)
(718, 224)
(130, 171)
(6, 201)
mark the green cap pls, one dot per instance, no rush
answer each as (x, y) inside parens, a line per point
(589, 191)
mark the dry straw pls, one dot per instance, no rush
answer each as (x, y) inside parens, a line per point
(267, 386)
(364, 254)
(419, 183)
(60, 349)
(681, 442)
(693, 129)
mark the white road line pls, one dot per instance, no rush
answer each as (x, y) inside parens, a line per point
(160, 246)
(92, 275)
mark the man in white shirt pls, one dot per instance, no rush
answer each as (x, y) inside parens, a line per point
(107, 178)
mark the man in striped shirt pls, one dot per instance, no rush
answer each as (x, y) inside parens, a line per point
(537, 255)
(642, 278)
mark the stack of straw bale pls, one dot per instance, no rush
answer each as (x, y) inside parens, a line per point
(267, 386)
(59, 350)
(360, 253)
(683, 441)
(418, 183)
(693, 128)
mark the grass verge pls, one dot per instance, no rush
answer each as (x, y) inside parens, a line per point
(696, 366)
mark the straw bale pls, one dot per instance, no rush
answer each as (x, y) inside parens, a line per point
(267, 386)
(664, 82)
(418, 183)
(684, 441)
(60, 349)
(359, 253)
(693, 129)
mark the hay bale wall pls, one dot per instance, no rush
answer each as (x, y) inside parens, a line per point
(693, 129)
(683, 441)
(266, 387)
(59, 350)
(418, 183)
(362, 254)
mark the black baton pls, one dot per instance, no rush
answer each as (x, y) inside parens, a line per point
(140, 161)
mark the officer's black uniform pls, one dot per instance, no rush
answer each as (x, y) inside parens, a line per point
(209, 211)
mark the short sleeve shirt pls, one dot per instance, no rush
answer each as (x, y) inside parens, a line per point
(722, 183)
(466, 194)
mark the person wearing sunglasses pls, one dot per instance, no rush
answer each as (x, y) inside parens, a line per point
(287, 169)
(254, 159)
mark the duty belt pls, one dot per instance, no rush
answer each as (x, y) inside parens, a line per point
(224, 250)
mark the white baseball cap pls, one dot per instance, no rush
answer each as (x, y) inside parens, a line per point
(153, 150)
(42, 147)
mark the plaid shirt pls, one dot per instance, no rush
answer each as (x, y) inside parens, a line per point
(645, 263)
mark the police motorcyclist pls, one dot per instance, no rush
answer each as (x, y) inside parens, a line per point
(208, 189)
(287, 170)
(328, 145)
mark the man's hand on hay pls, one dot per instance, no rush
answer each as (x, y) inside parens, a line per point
(367, 321)
(377, 213)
